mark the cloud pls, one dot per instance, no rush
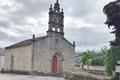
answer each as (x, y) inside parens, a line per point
(21, 18)
(84, 21)
(87, 37)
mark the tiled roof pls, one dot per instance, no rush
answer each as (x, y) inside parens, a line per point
(2, 52)
(25, 42)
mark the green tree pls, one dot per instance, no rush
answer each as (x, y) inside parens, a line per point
(86, 57)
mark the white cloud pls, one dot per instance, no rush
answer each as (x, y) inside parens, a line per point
(76, 22)
(84, 21)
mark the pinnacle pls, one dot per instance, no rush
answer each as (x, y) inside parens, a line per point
(57, 1)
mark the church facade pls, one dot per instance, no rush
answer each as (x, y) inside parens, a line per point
(48, 54)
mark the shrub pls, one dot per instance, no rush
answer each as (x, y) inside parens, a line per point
(98, 61)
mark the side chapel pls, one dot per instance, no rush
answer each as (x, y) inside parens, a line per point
(49, 54)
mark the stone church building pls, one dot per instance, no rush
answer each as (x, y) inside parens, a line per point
(49, 54)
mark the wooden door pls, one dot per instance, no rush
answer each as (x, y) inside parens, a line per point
(54, 65)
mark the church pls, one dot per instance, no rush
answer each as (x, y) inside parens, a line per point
(52, 53)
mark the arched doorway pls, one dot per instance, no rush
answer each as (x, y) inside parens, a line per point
(57, 63)
(54, 65)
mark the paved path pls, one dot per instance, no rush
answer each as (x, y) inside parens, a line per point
(26, 77)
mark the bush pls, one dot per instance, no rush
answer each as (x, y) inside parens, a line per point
(87, 56)
(111, 60)
(98, 61)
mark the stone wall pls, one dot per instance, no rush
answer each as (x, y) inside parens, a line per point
(2, 62)
(45, 49)
(41, 53)
(68, 53)
(41, 56)
(82, 76)
(22, 58)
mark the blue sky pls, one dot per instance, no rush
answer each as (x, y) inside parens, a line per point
(84, 21)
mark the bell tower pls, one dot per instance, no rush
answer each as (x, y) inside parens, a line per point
(56, 20)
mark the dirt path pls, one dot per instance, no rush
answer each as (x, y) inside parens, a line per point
(26, 77)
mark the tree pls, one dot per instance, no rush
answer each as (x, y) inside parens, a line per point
(112, 11)
(86, 56)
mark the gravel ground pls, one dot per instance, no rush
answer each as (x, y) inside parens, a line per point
(26, 77)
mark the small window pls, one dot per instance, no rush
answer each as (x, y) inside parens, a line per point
(58, 29)
(53, 29)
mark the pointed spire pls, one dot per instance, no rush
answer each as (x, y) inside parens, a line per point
(33, 36)
(50, 9)
(57, 1)
(74, 43)
(57, 6)
(50, 5)
(61, 10)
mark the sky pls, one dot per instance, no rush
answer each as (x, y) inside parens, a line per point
(84, 22)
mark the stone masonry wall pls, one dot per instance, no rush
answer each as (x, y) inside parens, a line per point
(22, 58)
